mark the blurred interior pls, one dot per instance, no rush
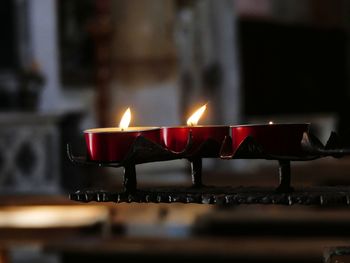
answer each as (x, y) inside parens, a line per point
(69, 65)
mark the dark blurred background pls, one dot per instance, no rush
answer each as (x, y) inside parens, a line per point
(69, 65)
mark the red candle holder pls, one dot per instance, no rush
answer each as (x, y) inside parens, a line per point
(275, 139)
(113, 144)
(176, 138)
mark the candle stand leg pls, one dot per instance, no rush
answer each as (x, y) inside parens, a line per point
(196, 172)
(284, 177)
(130, 178)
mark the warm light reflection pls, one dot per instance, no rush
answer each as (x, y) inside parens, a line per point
(52, 216)
(125, 121)
(270, 122)
(193, 120)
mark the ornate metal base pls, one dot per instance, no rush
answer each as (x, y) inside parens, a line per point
(222, 195)
(146, 151)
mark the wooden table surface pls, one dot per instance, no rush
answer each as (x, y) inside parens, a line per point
(250, 249)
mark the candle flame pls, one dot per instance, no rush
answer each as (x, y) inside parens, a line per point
(193, 120)
(270, 122)
(125, 121)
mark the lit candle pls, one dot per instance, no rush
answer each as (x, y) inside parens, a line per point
(113, 144)
(176, 138)
(275, 139)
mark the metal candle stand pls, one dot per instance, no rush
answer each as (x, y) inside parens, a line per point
(146, 151)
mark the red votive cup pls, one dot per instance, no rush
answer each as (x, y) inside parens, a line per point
(176, 138)
(113, 144)
(275, 139)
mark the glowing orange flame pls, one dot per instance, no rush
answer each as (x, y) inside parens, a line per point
(125, 121)
(193, 120)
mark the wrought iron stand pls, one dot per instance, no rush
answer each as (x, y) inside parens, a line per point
(145, 151)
